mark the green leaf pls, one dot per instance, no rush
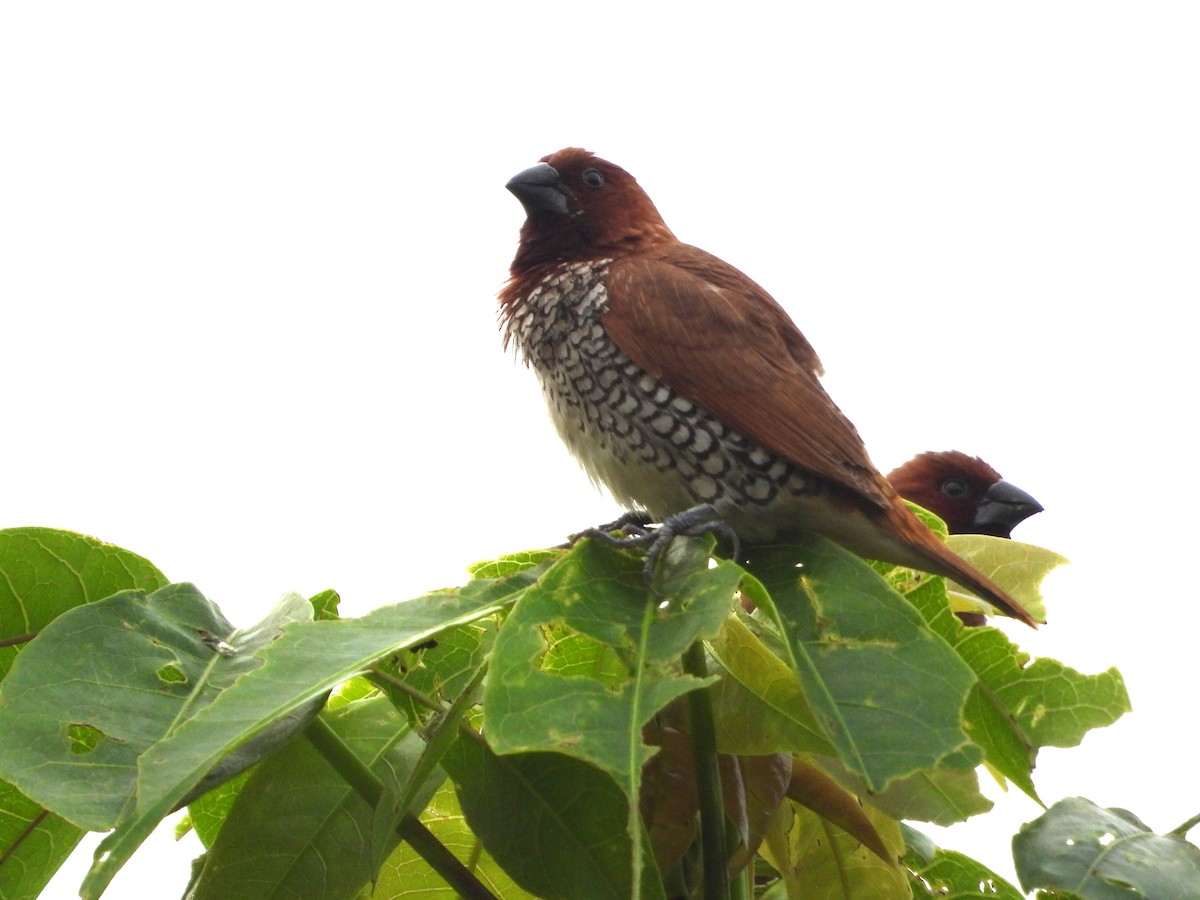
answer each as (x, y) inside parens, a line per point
(1017, 707)
(759, 704)
(598, 592)
(34, 842)
(406, 875)
(816, 859)
(888, 692)
(941, 794)
(298, 829)
(307, 660)
(597, 714)
(89, 697)
(556, 825)
(1018, 568)
(940, 874)
(1103, 854)
(45, 572)
(325, 604)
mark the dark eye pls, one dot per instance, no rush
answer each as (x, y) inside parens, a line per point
(593, 178)
(953, 487)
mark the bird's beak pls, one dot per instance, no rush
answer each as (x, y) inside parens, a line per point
(540, 189)
(1003, 507)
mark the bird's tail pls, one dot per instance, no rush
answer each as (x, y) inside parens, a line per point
(939, 559)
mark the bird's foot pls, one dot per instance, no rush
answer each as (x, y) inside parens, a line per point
(694, 522)
(631, 524)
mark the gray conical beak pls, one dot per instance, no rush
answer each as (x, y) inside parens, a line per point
(539, 189)
(1003, 507)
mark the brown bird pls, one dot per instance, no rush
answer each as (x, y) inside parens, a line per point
(964, 492)
(682, 386)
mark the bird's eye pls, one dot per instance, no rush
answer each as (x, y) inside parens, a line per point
(593, 178)
(953, 487)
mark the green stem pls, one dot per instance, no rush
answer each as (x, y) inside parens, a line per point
(370, 788)
(378, 674)
(1187, 826)
(708, 780)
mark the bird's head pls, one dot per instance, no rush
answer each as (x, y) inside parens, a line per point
(580, 207)
(965, 493)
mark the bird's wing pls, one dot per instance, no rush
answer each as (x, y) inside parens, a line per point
(721, 341)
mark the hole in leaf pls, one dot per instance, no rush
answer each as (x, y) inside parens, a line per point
(84, 738)
(171, 674)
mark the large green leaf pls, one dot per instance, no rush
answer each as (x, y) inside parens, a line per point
(759, 703)
(1104, 854)
(44, 573)
(298, 829)
(104, 682)
(556, 824)
(817, 860)
(406, 875)
(307, 660)
(887, 691)
(597, 714)
(1017, 706)
(541, 698)
(941, 794)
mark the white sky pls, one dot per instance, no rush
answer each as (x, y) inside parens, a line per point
(249, 255)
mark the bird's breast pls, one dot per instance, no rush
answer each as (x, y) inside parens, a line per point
(652, 447)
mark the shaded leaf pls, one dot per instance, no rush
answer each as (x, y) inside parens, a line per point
(556, 824)
(816, 859)
(315, 825)
(1103, 854)
(814, 790)
(406, 875)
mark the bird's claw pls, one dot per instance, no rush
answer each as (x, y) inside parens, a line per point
(694, 522)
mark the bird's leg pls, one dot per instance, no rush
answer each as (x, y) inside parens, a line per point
(629, 524)
(693, 522)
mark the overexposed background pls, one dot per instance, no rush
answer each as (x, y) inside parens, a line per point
(249, 255)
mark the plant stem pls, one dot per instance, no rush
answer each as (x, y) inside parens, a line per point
(1187, 826)
(708, 780)
(368, 786)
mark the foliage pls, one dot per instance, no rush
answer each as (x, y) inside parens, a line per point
(552, 728)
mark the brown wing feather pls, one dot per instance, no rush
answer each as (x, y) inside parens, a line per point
(720, 340)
